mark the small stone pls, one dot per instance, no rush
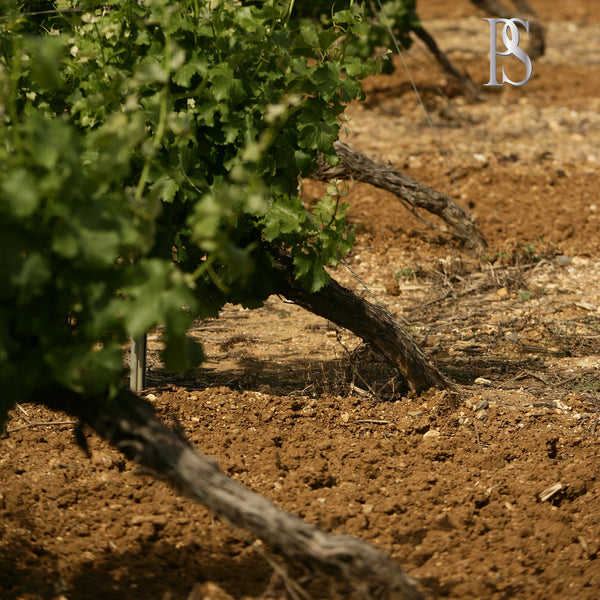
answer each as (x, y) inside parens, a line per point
(482, 404)
(482, 415)
(102, 460)
(81, 529)
(208, 591)
(432, 434)
(563, 261)
(158, 521)
(471, 402)
(511, 336)
(367, 509)
(593, 549)
(586, 306)
(554, 126)
(151, 397)
(482, 381)
(502, 292)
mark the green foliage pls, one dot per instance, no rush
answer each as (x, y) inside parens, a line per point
(398, 15)
(149, 150)
(404, 272)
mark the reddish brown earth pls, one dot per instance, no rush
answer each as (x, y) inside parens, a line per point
(459, 492)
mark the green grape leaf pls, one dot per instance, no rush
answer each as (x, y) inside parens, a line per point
(310, 272)
(165, 187)
(196, 65)
(33, 275)
(283, 218)
(99, 247)
(19, 193)
(224, 85)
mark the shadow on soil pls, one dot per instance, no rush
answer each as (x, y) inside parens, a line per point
(373, 377)
(155, 571)
(293, 377)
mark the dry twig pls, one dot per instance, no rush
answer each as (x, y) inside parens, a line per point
(40, 424)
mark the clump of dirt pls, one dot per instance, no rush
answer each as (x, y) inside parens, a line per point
(486, 492)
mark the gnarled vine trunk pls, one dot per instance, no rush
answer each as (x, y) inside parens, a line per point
(370, 322)
(129, 423)
(358, 166)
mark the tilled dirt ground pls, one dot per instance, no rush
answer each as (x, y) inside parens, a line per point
(491, 494)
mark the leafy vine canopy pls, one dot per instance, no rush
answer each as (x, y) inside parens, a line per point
(151, 151)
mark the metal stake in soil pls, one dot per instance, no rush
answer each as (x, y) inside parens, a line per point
(137, 372)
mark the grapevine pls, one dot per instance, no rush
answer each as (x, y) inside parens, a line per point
(172, 132)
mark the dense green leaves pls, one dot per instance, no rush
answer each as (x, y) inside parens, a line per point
(148, 149)
(372, 32)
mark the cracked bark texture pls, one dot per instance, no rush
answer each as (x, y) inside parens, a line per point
(130, 423)
(358, 166)
(369, 321)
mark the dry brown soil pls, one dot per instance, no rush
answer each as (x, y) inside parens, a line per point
(493, 496)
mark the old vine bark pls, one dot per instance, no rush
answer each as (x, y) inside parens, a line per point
(368, 321)
(130, 423)
(358, 166)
